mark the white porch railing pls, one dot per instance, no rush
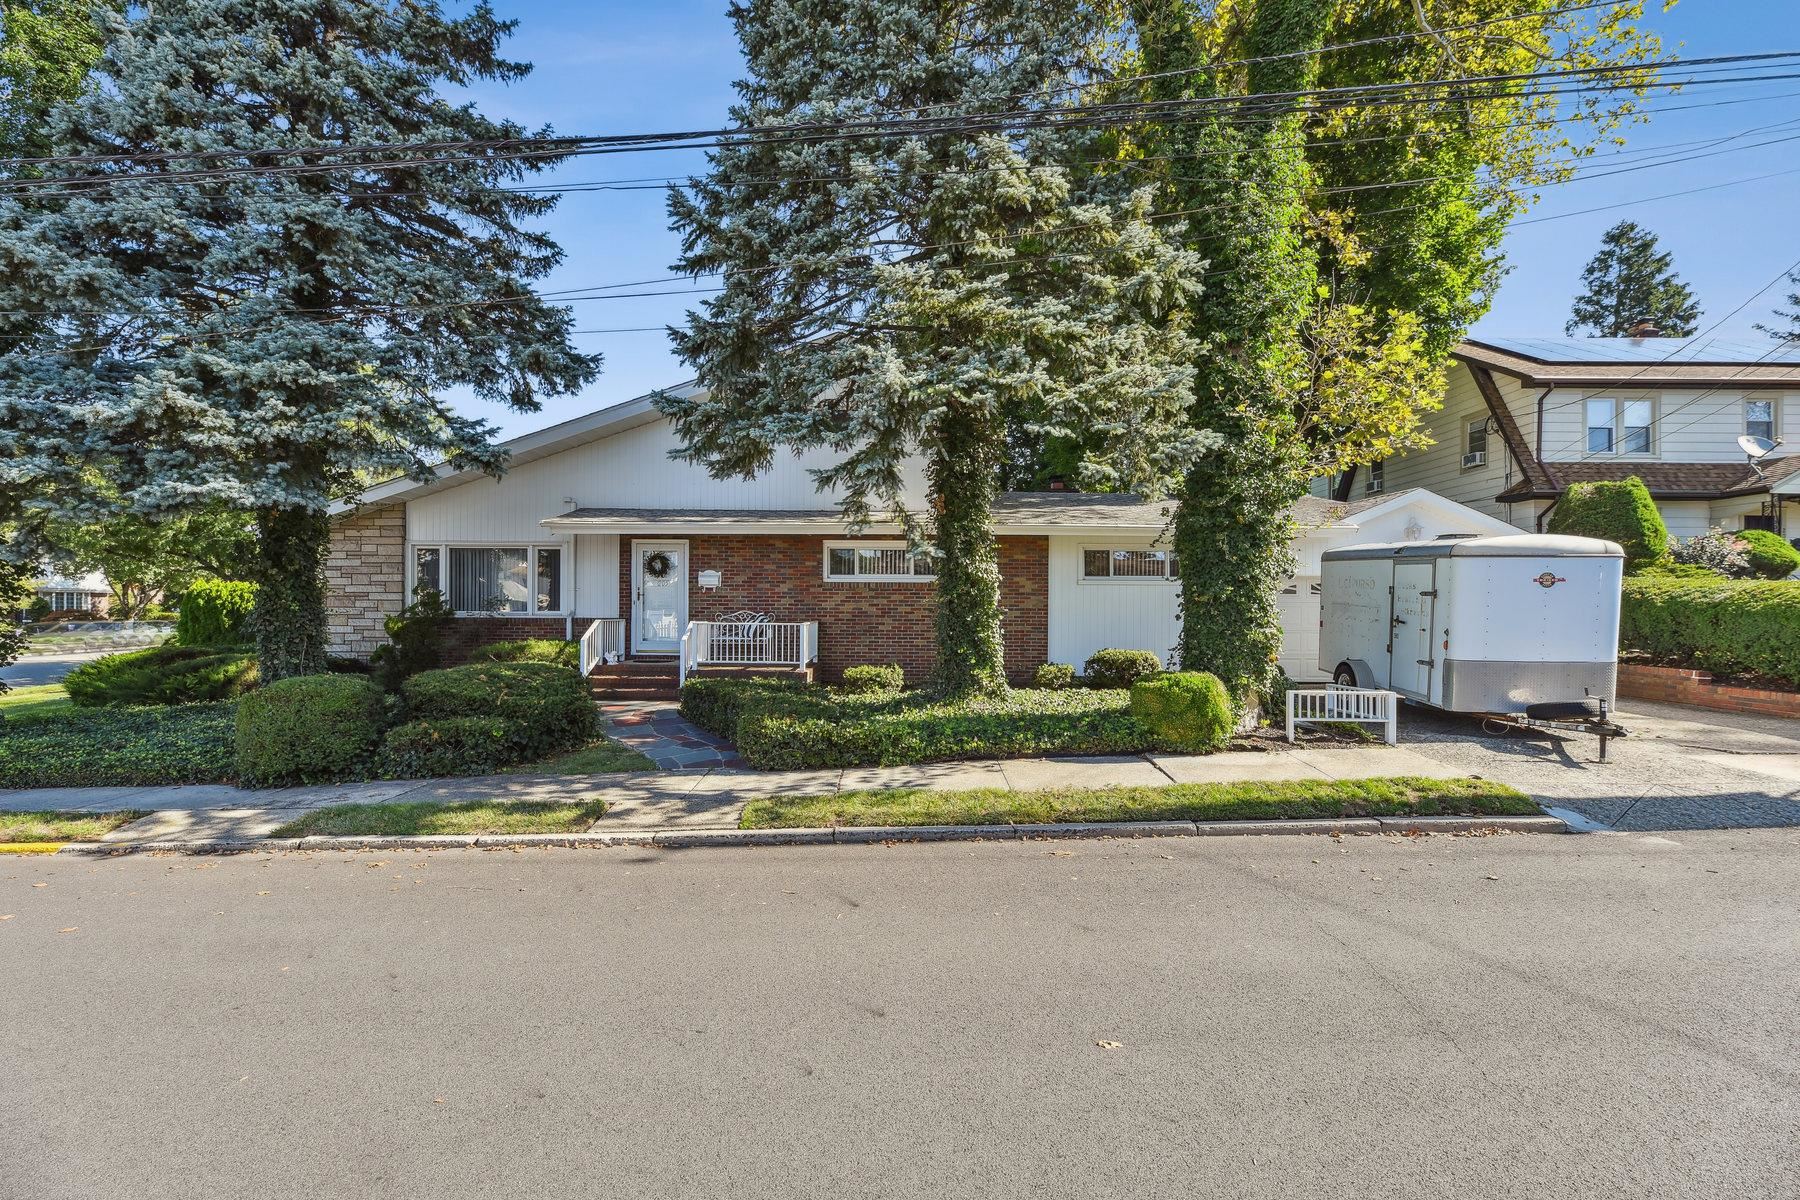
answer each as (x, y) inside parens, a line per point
(747, 640)
(1364, 706)
(603, 636)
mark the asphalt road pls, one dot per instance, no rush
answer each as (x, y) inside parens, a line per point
(1536, 1016)
(36, 669)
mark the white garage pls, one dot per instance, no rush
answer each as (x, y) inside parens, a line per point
(1113, 582)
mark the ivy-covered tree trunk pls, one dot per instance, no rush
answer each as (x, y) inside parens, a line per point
(290, 598)
(1243, 168)
(964, 478)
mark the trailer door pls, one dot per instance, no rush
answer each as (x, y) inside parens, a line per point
(1409, 672)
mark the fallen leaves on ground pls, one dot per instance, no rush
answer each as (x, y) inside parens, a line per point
(1110, 1045)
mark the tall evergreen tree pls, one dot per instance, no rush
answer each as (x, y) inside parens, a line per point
(1241, 168)
(1789, 329)
(1629, 282)
(258, 335)
(910, 295)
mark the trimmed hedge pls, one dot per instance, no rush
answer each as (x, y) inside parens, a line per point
(216, 612)
(307, 729)
(545, 707)
(1769, 554)
(1184, 710)
(1727, 626)
(1053, 676)
(716, 703)
(1621, 512)
(870, 678)
(1121, 668)
(447, 746)
(119, 747)
(547, 650)
(163, 675)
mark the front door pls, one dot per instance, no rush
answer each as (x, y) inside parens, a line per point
(1410, 669)
(659, 585)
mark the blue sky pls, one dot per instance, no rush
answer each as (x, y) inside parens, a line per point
(604, 66)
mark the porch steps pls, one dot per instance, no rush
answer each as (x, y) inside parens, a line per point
(635, 679)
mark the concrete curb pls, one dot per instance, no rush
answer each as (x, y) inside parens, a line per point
(848, 836)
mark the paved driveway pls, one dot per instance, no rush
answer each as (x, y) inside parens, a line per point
(1681, 768)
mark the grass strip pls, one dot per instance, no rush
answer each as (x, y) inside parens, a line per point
(424, 819)
(1273, 800)
(597, 758)
(32, 703)
(25, 827)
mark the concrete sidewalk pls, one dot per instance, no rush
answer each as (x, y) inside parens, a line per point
(698, 799)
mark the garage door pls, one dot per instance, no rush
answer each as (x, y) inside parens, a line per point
(1298, 604)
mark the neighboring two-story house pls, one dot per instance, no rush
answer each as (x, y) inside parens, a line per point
(1525, 417)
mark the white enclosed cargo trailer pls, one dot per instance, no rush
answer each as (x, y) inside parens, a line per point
(1524, 627)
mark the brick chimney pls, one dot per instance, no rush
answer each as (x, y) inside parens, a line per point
(1058, 484)
(1644, 327)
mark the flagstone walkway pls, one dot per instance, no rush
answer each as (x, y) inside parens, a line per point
(657, 730)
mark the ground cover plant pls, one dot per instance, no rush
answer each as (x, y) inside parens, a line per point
(163, 675)
(1272, 800)
(120, 747)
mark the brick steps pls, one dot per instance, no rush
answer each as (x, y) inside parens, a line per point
(635, 679)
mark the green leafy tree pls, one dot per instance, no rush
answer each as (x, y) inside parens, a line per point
(47, 48)
(13, 594)
(918, 296)
(257, 338)
(1628, 282)
(151, 559)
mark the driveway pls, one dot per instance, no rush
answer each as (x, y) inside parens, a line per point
(1680, 768)
(1511, 1018)
(47, 668)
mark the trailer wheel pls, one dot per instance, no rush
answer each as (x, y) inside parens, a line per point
(1344, 676)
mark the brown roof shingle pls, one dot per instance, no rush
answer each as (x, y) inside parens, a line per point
(1666, 480)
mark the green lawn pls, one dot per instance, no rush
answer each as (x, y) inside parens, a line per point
(409, 820)
(30, 703)
(595, 758)
(1274, 800)
(60, 826)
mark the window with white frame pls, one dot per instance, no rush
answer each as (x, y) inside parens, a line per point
(1377, 477)
(876, 562)
(502, 580)
(1616, 426)
(1759, 419)
(1107, 564)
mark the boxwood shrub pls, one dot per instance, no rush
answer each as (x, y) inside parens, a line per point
(807, 728)
(216, 612)
(874, 678)
(1052, 676)
(1615, 511)
(715, 703)
(163, 675)
(1121, 668)
(447, 746)
(548, 650)
(1769, 554)
(1185, 710)
(119, 747)
(1727, 626)
(545, 707)
(308, 728)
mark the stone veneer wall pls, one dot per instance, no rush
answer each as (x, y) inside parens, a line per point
(365, 578)
(784, 576)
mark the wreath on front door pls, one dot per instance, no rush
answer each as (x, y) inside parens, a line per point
(657, 565)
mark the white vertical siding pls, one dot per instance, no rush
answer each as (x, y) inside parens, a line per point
(630, 469)
(1085, 617)
(596, 575)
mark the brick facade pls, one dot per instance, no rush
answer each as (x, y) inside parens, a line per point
(365, 578)
(784, 576)
(1675, 685)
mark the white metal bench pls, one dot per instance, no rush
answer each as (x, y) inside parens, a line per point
(1362, 706)
(741, 637)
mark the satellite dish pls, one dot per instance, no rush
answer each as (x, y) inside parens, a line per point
(1756, 447)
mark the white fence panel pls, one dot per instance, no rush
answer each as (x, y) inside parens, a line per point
(1362, 706)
